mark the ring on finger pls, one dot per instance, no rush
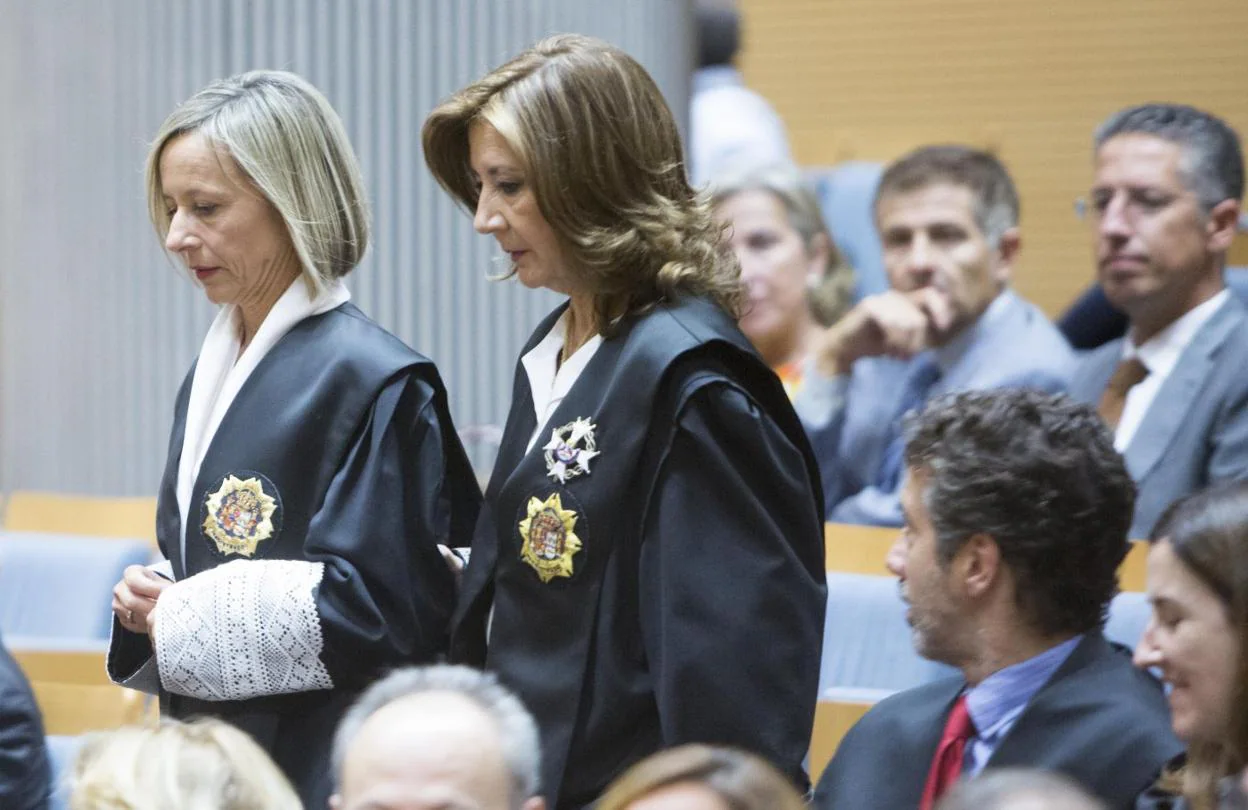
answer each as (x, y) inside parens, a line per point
(130, 617)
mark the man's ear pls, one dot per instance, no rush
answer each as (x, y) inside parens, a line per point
(335, 802)
(1222, 225)
(535, 803)
(982, 564)
(1008, 247)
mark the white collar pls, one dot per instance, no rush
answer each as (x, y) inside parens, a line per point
(1161, 352)
(220, 372)
(547, 385)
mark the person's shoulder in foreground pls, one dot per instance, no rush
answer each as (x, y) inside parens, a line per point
(25, 775)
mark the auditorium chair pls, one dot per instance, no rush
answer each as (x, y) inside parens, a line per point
(60, 586)
(846, 193)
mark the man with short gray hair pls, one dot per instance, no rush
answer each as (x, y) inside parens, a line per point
(1163, 210)
(437, 737)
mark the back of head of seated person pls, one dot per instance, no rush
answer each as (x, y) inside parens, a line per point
(795, 279)
(701, 777)
(1163, 211)
(1198, 640)
(1020, 789)
(437, 737)
(1016, 512)
(198, 765)
(948, 218)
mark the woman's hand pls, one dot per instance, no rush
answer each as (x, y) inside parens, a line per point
(135, 597)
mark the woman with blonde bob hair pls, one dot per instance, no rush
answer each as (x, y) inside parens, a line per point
(313, 468)
(200, 765)
(653, 517)
(1197, 640)
(795, 280)
(701, 777)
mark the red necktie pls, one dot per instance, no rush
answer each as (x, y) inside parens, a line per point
(947, 764)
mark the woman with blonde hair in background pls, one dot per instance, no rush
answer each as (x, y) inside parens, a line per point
(200, 765)
(313, 467)
(701, 777)
(653, 520)
(1198, 640)
(795, 280)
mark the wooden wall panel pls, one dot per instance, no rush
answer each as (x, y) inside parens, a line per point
(871, 79)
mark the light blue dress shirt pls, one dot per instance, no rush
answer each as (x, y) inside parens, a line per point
(998, 701)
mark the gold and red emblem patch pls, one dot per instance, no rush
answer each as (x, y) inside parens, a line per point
(549, 540)
(239, 516)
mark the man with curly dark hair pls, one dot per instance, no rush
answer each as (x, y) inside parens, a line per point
(1016, 514)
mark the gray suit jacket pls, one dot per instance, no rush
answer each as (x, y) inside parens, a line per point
(1098, 720)
(1019, 347)
(1195, 432)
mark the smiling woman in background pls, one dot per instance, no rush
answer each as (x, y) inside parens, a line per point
(1198, 640)
(795, 281)
(313, 468)
(653, 519)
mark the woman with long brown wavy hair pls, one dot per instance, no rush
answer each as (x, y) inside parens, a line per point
(653, 519)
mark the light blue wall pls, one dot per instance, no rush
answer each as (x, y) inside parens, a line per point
(97, 328)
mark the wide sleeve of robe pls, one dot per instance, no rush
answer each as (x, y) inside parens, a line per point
(372, 591)
(732, 582)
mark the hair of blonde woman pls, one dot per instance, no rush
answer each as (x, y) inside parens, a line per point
(283, 134)
(600, 149)
(741, 781)
(199, 765)
(832, 296)
(1208, 532)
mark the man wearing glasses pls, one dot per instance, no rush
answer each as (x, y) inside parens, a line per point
(1163, 209)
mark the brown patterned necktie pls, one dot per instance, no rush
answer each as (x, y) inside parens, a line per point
(1130, 372)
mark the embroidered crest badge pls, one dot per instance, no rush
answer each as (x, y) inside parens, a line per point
(240, 515)
(570, 450)
(549, 541)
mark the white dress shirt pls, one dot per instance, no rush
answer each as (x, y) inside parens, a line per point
(548, 384)
(1159, 354)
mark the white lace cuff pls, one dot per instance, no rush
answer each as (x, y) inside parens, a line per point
(241, 630)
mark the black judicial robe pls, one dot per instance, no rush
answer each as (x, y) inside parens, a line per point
(674, 592)
(348, 430)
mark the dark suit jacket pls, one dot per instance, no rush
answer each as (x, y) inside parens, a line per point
(1098, 720)
(25, 776)
(1195, 432)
